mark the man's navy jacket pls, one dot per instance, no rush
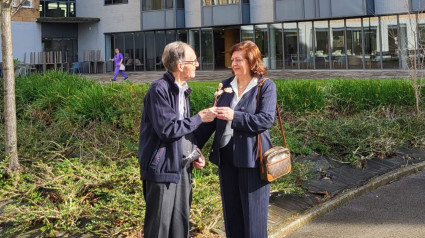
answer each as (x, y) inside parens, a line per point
(160, 147)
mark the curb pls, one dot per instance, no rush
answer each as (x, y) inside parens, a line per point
(287, 228)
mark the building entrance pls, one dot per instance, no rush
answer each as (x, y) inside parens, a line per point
(224, 39)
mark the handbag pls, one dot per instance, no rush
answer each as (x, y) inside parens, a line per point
(122, 67)
(276, 161)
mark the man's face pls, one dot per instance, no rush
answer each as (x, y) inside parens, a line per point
(190, 64)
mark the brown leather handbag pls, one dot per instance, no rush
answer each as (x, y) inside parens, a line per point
(276, 162)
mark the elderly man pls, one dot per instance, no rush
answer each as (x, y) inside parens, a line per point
(167, 151)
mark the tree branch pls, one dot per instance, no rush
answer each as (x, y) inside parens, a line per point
(17, 8)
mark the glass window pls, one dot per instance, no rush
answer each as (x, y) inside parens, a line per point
(149, 5)
(306, 45)
(169, 4)
(206, 60)
(72, 9)
(247, 33)
(139, 56)
(390, 41)
(170, 36)
(338, 44)
(61, 8)
(371, 42)
(262, 41)
(321, 54)
(354, 43)
(407, 40)
(276, 46)
(27, 4)
(290, 38)
(128, 52)
(219, 2)
(150, 50)
(180, 4)
(159, 48)
(194, 41)
(109, 2)
(182, 35)
(421, 36)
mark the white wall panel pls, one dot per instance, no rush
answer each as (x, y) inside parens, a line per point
(289, 10)
(342, 8)
(391, 6)
(261, 11)
(26, 38)
(192, 13)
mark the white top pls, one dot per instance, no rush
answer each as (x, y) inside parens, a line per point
(228, 132)
(182, 101)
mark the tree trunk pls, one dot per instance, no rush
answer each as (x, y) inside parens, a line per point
(9, 85)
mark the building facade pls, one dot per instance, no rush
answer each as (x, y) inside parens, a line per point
(292, 34)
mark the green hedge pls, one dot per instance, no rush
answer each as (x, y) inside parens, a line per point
(348, 96)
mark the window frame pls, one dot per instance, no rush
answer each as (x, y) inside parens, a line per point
(31, 3)
(114, 3)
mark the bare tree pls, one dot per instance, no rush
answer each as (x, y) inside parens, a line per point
(411, 49)
(11, 148)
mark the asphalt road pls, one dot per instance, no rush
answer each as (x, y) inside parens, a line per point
(394, 210)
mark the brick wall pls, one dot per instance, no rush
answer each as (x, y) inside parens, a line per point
(28, 14)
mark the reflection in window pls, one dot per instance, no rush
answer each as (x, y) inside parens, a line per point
(149, 5)
(390, 41)
(276, 51)
(62, 8)
(206, 60)
(261, 40)
(27, 4)
(306, 45)
(354, 43)
(247, 33)
(139, 56)
(169, 4)
(321, 54)
(180, 4)
(220, 2)
(370, 29)
(109, 2)
(290, 37)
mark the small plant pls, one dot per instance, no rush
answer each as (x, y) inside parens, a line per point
(15, 63)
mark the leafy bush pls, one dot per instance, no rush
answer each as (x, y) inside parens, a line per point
(78, 146)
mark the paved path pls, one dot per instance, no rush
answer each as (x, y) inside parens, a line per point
(394, 210)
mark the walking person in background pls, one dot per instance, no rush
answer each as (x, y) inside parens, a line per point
(119, 65)
(245, 197)
(167, 150)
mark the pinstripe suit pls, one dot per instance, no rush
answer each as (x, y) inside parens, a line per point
(245, 196)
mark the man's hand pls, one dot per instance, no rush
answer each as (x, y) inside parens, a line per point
(200, 162)
(208, 114)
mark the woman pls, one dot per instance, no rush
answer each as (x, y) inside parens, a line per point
(166, 149)
(118, 61)
(245, 197)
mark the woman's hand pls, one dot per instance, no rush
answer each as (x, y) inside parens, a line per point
(225, 113)
(208, 114)
(200, 162)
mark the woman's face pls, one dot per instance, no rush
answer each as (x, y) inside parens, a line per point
(117, 51)
(240, 64)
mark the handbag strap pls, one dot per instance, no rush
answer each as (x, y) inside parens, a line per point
(259, 147)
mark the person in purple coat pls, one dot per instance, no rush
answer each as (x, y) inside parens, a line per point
(118, 61)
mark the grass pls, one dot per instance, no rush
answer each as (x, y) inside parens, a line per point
(78, 147)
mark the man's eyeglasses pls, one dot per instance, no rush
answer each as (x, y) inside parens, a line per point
(193, 62)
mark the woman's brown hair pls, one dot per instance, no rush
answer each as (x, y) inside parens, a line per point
(253, 55)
